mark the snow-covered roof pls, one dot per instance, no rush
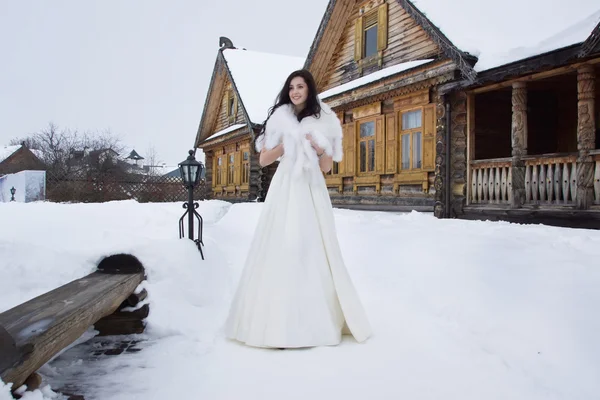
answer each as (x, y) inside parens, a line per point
(259, 77)
(226, 130)
(8, 151)
(501, 33)
(375, 76)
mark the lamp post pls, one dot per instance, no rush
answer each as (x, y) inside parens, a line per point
(190, 171)
(12, 193)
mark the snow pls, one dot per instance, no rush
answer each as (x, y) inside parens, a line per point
(259, 78)
(7, 151)
(460, 309)
(375, 76)
(226, 130)
(516, 29)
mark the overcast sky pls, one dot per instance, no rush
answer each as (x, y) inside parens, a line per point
(138, 67)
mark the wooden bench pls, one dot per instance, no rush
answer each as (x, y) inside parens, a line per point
(34, 332)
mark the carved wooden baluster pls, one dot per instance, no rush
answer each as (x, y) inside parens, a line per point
(566, 182)
(480, 184)
(492, 185)
(509, 190)
(597, 182)
(527, 183)
(485, 184)
(557, 182)
(574, 181)
(497, 185)
(542, 182)
(549, 182)
(474, 186)
(504, 185)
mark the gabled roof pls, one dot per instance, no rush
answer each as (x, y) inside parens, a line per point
(256, 79)
(484, 33)
(499, 35)
(8, 151)
(336, 16)
(592, 43)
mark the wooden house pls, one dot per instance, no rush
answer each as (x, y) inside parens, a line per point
(378, 64)
(244, 85)
(521, 142)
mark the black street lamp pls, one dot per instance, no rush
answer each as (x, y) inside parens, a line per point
(190, 171)
(12, 193)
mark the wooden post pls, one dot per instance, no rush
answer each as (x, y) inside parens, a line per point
(519, 142)
(586, 126)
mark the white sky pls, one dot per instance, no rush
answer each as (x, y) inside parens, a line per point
(138, 67)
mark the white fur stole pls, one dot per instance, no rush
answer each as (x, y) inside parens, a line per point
(283, 127)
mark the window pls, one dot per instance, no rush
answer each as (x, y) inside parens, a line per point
(366, 150)
(246, 167)
(231, 105)
(412, 139)
(370, 34)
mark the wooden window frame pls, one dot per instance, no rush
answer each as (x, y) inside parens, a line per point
(411, 132)
(380, 9)
(231, 97)
(357, 125)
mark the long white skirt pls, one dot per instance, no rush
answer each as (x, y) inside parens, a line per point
(295, 290)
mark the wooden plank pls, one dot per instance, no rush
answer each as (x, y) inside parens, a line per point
(380, 144)
(367, 111)
(391, 144)
(45, 325)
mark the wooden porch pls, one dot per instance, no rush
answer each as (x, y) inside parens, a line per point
(533, 154)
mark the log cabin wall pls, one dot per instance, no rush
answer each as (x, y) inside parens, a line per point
(230, 168)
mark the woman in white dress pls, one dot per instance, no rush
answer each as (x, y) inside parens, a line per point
(295, 290)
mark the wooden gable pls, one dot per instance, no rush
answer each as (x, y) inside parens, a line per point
(222, 107)
(399, 39)
(230, 111)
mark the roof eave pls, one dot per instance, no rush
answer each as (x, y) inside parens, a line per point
(463, 61)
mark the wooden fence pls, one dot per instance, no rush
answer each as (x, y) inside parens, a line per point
(102, 188)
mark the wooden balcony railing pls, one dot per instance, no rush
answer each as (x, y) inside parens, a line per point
(550, 179)
(491, 181)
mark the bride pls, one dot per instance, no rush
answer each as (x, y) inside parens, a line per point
(295, 290)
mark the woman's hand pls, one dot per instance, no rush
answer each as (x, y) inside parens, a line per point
(314, 144)
(268, 157)
(325, 160)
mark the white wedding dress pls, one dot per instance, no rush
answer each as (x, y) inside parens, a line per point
(295, 290)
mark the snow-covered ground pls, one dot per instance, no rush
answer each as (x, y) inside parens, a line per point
(460, 309)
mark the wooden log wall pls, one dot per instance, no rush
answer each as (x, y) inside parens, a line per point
(34, 332)
(458, 153)
(406, 41)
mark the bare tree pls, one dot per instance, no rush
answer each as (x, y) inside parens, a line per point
(66, 152)
(153, 161)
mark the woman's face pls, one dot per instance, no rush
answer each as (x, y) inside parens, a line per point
(298, 91)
